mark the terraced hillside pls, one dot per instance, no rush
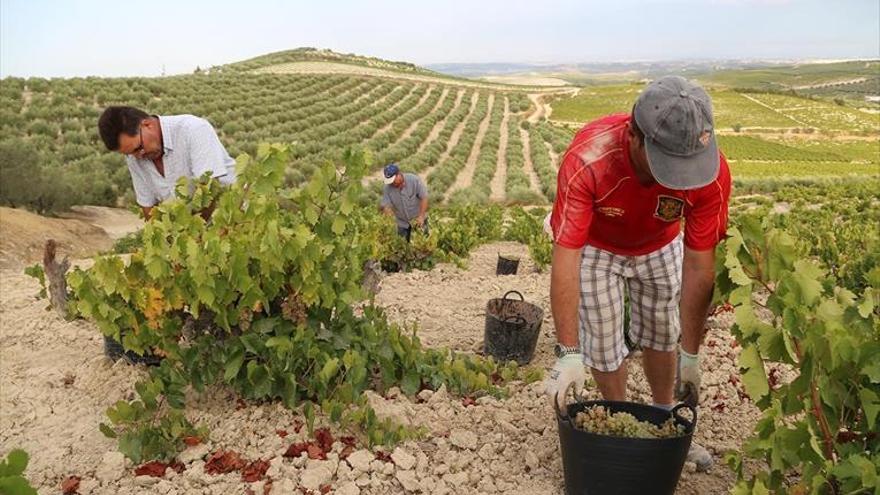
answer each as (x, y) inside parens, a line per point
(473, 141)
(425, 121)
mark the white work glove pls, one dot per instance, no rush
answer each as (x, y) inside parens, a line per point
(687, 383)
(568, 371)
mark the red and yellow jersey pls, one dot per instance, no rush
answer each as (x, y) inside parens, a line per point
(600, 202)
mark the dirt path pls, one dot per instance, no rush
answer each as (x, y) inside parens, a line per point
(435, 131)
(554, 157)
(789, 117)
(454, 137)
(539, 112)
(467, 174)
(528, 166)
(412, 127)
(366, 94)
(497, 186)
(399, 102)
(543, 109)
(55, 385)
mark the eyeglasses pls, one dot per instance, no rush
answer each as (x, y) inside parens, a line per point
(140, 147)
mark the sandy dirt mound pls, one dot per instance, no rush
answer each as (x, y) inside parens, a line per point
(55, 385)
(83, 232)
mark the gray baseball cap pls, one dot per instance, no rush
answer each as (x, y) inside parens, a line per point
(675, 116)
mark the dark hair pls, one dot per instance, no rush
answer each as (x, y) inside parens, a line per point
(635, 126)
(116, 120)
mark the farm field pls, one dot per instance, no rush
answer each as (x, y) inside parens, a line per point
(308, 349)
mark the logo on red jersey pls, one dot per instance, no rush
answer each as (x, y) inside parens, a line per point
(669, 208)
(610, 211)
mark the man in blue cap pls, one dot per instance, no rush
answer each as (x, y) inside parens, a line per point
(406, 197)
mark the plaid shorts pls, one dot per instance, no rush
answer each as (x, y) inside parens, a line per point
(653, 282)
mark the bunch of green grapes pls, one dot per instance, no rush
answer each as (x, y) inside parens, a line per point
(598, 420)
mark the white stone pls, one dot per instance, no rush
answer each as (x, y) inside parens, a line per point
(112, 467)
(145, 480)
(487, 452)
(195, 473)
(362, 480)
(193, 453)
(408, 480)
(440, 396)
(283, 485)
(388, 469)
(531, 460)
(164, 486)
(276, 466)
(344, 472)
(463, 439)
(87, 486)
(328, 464)
(315, 475)
(403, 459)
(456, 479)
(348, 488)
(425, 395)
(360, 460)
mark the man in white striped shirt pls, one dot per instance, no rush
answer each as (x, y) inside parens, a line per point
(160, 150)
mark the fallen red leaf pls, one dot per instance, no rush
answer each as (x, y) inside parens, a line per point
(177, 466)
(267, 487)
(192, 440)
(296, 449)
(324, 439)
(316, 452)
(223, 461)
(240, 404)
(348, 441)
(468, 401)
(297, 425)
(70, 485)
(281, 433)
(383, 456)
(325, 489)
(153, 468)
(254, 471)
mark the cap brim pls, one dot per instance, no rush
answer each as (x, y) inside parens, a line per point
(390, 180)
(684, 172)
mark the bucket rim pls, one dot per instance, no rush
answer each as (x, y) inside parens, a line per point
(690, 425)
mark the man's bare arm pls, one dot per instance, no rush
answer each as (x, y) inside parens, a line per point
(565, 284)
(698, 280)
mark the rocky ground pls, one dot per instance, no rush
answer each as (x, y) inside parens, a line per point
(55, 385)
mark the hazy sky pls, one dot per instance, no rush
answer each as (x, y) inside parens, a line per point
(119, 38)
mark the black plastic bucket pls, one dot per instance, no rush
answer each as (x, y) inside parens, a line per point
(512, 329)
(602, 464)
(114, 351)
(506, 265)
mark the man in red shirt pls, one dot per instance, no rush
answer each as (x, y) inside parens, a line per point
(624, 186)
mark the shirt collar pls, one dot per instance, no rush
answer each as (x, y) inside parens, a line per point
(167, 135)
